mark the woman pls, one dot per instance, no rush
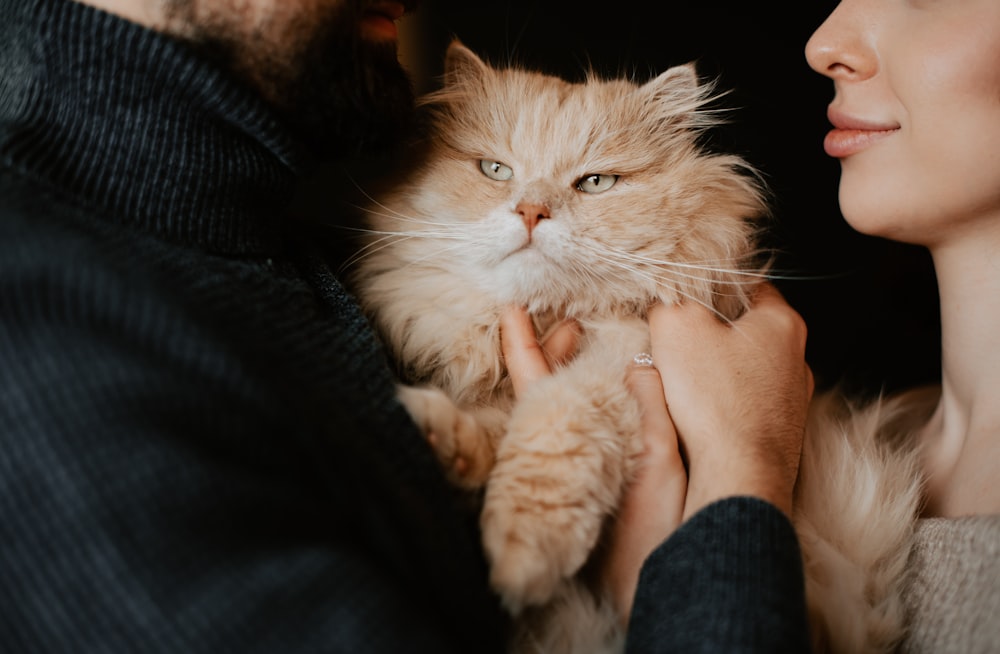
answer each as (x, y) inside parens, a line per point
(916, 119)
(916, 127)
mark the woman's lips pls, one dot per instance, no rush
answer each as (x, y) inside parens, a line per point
(852, 135)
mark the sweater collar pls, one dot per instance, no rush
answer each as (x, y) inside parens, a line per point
(135, 126)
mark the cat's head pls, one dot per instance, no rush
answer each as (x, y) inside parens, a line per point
(578, 197)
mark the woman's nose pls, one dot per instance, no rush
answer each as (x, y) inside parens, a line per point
(843, 46)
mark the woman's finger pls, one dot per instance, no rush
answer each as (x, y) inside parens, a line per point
(522, 353)
(653, 504)
(528, 360)
(657, 429)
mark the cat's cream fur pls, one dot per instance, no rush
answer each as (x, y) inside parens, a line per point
(450, 247)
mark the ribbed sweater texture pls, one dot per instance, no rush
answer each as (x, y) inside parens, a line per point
(200, 450)
(728, 581)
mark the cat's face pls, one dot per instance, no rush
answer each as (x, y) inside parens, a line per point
(577, 197)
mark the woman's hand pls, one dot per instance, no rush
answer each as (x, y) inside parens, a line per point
(738, 395)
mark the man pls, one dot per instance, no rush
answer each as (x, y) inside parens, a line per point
(200, 449)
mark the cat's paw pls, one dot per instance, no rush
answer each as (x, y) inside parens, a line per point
(534, 546)
(461, 444)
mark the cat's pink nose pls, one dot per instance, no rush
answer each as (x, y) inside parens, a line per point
(531, 213)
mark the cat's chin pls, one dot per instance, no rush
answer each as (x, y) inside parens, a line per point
(523, 264)
(526, 251)
(532, 262)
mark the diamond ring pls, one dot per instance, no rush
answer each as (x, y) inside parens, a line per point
(643, 359)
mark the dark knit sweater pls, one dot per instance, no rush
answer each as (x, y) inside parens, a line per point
(199, 446)
(200, 449)
(728, 581)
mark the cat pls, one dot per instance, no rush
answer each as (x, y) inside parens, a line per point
(592, 200)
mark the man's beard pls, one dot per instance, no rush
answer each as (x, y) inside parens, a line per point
(338, 93)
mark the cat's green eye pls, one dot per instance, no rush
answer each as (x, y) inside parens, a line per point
(496, 170)
(596, 183)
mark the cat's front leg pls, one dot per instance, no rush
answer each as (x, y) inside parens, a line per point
(559, 473)
(461, 443)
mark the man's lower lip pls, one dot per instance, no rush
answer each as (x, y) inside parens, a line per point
(842, 143)
(377, 27)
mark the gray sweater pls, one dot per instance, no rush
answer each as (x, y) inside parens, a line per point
(953, 594)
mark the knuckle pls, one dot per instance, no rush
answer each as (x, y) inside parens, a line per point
(790, 322)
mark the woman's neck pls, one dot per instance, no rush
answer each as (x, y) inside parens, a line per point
(962, 440)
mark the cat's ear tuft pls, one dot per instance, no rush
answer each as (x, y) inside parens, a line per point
(680, 96)
(462, 64)
(678, 81)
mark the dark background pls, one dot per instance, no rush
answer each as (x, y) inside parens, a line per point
(871, 305)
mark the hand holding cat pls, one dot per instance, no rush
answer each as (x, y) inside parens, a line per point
(738, 396)
(654, 507)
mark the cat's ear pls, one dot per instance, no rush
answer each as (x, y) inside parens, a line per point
(679, 93)
(676, 82)
(462, 65)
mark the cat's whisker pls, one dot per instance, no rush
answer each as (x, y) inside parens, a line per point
(600, 283)
(637, 266)
(720, 288)
(662, 280)
(707, 266)
(448, 234)
(751, 276)
(392, 214)
(631, 271)
(707, 305)
(708, 278)
(463, 242)
(433, 255)
(704, 264)
(389, 212)
(371, 248)
(659, 278)
(390, 238)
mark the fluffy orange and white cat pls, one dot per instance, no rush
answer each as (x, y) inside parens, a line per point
(591, 201)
